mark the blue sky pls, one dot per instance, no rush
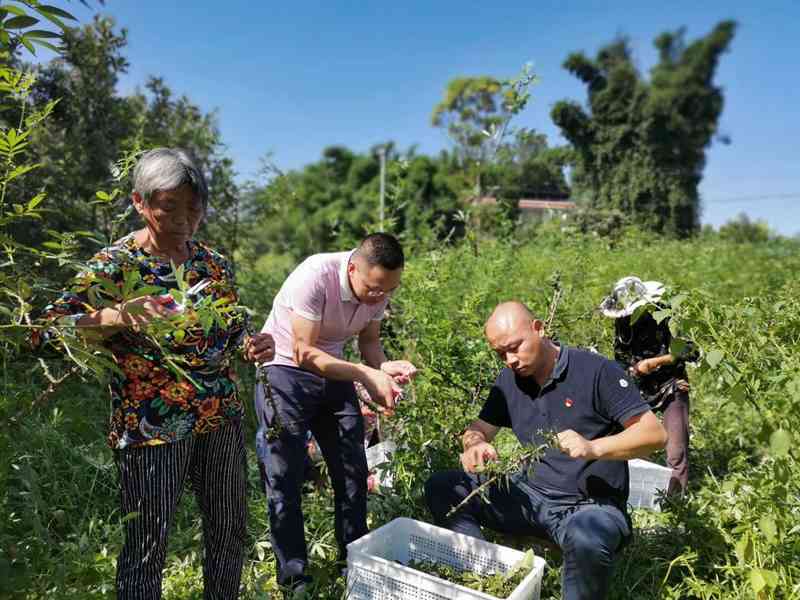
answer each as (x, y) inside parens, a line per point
(291, 78)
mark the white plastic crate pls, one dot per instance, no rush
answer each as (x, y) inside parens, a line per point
(647, 479)
(378, 459)
(373, 572)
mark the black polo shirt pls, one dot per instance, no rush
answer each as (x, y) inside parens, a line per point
(586, 393)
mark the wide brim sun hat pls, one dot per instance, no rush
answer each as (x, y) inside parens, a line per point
(628, 294)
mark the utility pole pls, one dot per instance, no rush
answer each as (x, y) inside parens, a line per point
(382, 155)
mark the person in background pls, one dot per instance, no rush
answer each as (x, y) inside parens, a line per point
(168, 430)
(327, 300)
(643, 347)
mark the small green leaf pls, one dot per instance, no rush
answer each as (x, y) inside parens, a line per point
(21, 170)
(780, 442)
(771, 577)
(14, 10)
(47, 45)
(757, 580)
(768, 528)
(129, 517)
(761, 578)
(677, 300)
(20, 22)
(35, 201)
(148, 290)
(660, 315)
(677, 346)
(744, 549)
(42, 34)
(638, 312)
(714, 357)
(51, 16)
(739, 393)
(54, 10)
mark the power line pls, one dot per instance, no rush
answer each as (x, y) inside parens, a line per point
(754, 198)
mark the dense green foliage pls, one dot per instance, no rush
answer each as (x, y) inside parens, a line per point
(737, 527)
(333, 202)
(742, 229)
(641, 149)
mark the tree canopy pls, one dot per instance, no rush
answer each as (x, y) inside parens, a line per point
(641, 146)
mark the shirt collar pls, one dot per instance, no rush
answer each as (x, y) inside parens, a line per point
(344, 279)
(561, 365)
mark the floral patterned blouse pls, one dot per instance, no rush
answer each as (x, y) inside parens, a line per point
(151, 403)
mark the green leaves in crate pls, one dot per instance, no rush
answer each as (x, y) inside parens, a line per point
(499, 585)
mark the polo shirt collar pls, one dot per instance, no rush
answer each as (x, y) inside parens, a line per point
(344, 280)
(560, 367)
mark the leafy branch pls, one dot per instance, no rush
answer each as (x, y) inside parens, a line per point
(500, 471)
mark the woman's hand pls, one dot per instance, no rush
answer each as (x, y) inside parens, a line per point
(259, 348)
(648, 365)
(645, 367)
(140, 311)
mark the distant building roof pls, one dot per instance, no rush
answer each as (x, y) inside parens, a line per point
(532, 204)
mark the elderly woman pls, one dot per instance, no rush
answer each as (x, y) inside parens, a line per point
(170, 426)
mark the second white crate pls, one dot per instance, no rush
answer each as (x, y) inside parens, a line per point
(374, 572)
(647, 479)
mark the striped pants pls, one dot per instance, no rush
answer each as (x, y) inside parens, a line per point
(152, 479)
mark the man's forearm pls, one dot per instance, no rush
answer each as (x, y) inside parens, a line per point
(372, 353)
(320, 362)
(637, 441)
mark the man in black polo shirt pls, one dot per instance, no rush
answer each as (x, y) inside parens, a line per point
(577, 494)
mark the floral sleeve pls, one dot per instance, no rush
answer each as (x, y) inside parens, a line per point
(90, 290)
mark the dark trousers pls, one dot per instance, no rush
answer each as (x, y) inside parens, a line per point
(676, 422)
(589, 532)
(329, 409)
(152, 479)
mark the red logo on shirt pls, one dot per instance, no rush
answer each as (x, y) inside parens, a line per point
(568, 402)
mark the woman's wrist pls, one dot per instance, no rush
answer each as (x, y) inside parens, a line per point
(111, 316)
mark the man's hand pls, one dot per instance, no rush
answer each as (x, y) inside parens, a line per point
(259, 348)
(382, 389)
(476, 456)
(401, 371)
(575, 445)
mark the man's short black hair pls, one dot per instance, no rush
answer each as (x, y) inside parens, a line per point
(382, 250)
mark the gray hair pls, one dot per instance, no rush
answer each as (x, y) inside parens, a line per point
(163, 169)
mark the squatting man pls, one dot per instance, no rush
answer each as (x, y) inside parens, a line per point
(576, 495)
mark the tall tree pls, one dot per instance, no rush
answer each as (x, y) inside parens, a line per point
(641, 147)
(475, 113)
(93, 125)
